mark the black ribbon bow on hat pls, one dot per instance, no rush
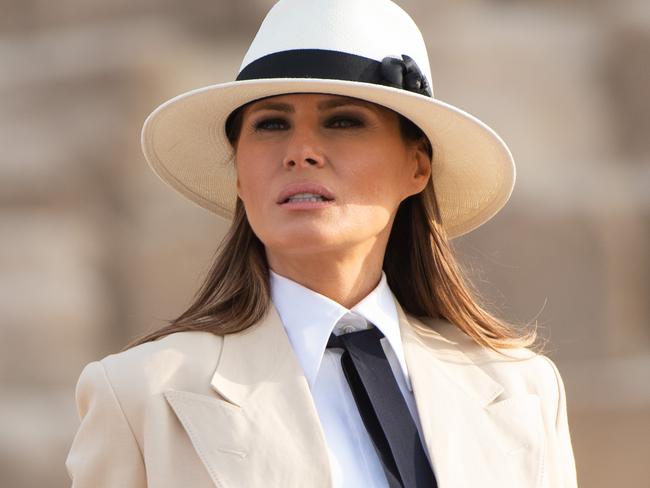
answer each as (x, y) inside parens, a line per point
(405, 74)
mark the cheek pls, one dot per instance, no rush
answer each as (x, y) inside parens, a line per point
(378, 173)
(251, 168)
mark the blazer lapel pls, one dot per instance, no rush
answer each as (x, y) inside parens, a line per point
(472, 439)
(261, 428)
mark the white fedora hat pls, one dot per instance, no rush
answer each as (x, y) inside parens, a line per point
(367, 49)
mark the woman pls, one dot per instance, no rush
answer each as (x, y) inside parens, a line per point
(334, 342)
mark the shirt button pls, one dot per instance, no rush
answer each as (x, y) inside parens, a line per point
(348, 328)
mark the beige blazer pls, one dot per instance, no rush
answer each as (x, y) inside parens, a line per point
(198, 410)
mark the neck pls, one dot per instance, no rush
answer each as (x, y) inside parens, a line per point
(346, 279)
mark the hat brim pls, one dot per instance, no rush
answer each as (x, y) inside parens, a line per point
(184, 142)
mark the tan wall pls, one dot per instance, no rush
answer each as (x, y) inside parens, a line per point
(96, 250)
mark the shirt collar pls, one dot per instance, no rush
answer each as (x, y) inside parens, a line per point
(309, 318)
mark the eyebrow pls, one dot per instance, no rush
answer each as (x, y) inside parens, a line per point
(342, 101)
(324, 105)
(281, 107)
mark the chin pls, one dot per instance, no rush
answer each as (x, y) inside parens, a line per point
(305, 240)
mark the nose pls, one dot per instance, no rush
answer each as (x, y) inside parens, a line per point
(304, 148)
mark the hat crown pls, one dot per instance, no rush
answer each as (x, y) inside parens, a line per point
(372, 29)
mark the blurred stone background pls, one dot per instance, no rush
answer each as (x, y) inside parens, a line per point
(95, 250)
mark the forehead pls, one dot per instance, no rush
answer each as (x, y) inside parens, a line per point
(317, 101)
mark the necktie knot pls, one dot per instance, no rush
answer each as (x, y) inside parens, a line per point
(341, 341)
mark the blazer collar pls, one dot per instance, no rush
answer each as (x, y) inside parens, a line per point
(253, 357)
(442, 342)
(237, 376)
(309, 317)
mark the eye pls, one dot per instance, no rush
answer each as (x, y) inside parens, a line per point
(344, 122)
(271, 124)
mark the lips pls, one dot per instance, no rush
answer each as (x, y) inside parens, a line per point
(304, 187)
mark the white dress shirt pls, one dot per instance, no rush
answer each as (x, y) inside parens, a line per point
(309, 318)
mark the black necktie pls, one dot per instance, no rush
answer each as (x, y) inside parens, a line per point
(383, 409)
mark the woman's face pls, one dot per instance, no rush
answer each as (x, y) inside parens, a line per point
(320, 173)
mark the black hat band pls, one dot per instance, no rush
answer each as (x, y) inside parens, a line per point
(336, 65)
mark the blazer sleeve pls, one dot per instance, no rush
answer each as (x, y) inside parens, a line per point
(563, 449)
(104, 451)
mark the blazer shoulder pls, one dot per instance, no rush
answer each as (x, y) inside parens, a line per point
(182, 360)
(519, 369)
(184, 345)
(478, 353)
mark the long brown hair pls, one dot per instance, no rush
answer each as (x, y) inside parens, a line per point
(419, 263)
